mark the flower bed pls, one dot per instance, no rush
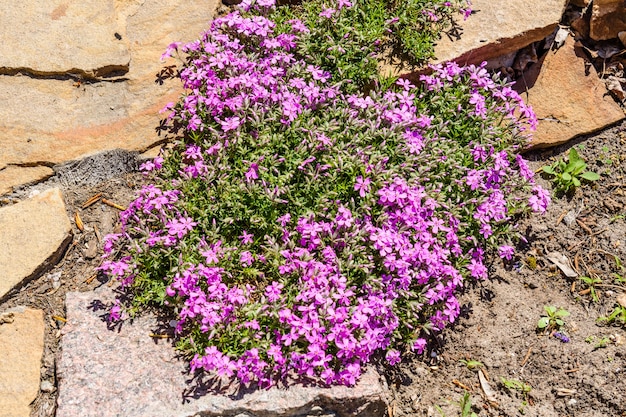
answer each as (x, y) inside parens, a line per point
(299, 228)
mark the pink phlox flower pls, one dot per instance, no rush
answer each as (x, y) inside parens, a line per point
(180, 227)
(362, 185)
(419, 346)
(506, 252)
(115, 312)
(343, 3)
(246, 258)
(109, 242)
(344, 217)
(170, 49)
(266, 3)
(253, 172)
(523, 167)
(405, 84)
(230, 123)
(477, 269)
(327, 13)
(540, 199)
(273, 291)
(297, 26)
(246, 238)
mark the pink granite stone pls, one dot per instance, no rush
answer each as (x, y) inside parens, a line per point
(125, 372)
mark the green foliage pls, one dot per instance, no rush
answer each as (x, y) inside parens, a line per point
(617, 316)
(553, 320)
(466, 406)
(567, 176)
(472, 365)
(350, 45)
(515, 385)
(590, 283)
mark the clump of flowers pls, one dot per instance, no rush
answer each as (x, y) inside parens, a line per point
(297, 230)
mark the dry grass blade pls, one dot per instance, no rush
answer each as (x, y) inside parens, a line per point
(92, 200)
(565, 392)
(112, 204)
(79, 222)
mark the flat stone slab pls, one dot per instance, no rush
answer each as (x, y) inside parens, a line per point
(127, 373)
(33, 235)
(568, 102)
(499, 27)
(13, 175)
(52, 121)
(21, 344)
(58, 36)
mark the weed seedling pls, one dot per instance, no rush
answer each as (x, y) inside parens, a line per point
(590, 283)
(566, 176)
(466, 406)
(515, 385)
(472, 365)
(618, 315)
(553, 320)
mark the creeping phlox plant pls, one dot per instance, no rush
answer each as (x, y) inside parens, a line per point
(348, 37)
(297, 230)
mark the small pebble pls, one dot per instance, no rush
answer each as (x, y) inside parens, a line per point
(46, 386)
(572, 402)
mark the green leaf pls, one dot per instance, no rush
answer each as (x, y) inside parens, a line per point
(590, 176)
(550, 310)
(566, 177)
(573, 155)
(548, 170)
(562, 313)
(577, 167)
(576, 182)
(543, 322)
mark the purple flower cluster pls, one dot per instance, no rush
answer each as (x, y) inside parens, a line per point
(297, 230)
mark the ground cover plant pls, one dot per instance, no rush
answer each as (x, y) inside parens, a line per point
(299, 228)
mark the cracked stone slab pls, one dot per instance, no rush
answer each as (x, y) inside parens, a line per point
(567, 102)
(113, 373)
(33, 235)
(608, 18)
(21, 344)
(54, 121)
(15, 175)
(60, 36)
(499, 27)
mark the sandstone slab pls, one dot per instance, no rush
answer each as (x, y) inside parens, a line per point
(13, 175)
(58, 36)
(51, 121)
(608, 18)
(499, 27)
(33, 235)
(21, 344)
(568, 101)
(113, 373)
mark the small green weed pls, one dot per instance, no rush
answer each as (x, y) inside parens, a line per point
(590, 283)
(515, 385)
(598, 344)
(472, 365)
(466, 406)
(617, 316)
(566, 176)
(553, 320)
